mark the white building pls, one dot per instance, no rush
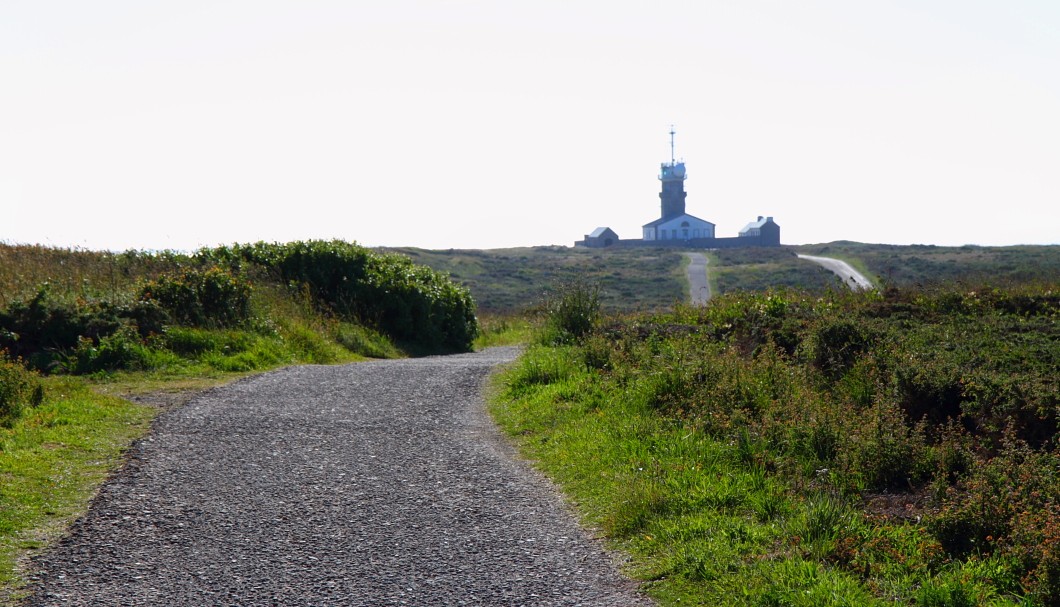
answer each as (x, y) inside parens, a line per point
(678, 227)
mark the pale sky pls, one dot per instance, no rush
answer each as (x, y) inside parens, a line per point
(473, 124)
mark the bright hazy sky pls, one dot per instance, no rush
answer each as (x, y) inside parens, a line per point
(474, 124)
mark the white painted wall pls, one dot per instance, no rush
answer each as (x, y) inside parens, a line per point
(675, 229)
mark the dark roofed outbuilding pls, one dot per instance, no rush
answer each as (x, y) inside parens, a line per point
(601, 237)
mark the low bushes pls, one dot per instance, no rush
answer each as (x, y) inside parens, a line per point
(918, 429)
(332, 299)
(42, 329)
(411, 303)
(201, 298)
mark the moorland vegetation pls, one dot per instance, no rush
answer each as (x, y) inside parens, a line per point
(925, 265)
(511, 281)
(794, 448)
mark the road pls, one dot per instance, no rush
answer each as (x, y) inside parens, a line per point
(698, 285)
(379, 483)
(850, 277)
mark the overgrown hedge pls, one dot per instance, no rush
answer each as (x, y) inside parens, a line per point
(201, 298)
(412, 303)
(43, 329)
(212, 289)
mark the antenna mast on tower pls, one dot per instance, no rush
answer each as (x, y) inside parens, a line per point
(672, 144)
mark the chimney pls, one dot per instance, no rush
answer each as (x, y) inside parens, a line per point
(759, 218)
(770, 218)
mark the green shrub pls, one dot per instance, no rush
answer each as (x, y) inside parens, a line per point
(42, 330)
(837, 343)
(411, 303)
(19, 388)
(122, 349)
(201, 298)
(572, 313)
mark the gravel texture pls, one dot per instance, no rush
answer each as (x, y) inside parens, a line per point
(381, 483)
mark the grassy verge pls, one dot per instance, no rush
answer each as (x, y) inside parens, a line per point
(504, 330)
(702, 526)
(52, 460)
(799, 449)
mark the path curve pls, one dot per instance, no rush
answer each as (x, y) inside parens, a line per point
(380, 483)
(698, 284)
(850, 277)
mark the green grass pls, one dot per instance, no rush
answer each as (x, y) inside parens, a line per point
(51, 462)
(758, 269)
(506, 330)
(700, 524)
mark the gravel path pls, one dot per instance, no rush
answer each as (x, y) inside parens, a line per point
(850, 277)
(381, 483)
(698, 285)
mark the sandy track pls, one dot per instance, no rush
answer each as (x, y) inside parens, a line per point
(698, 285)
(850, 277)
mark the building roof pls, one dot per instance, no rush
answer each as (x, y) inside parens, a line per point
(756, 224)
(598, 232)
(662, 220)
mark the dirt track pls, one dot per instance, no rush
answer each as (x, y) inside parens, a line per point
(698, 284)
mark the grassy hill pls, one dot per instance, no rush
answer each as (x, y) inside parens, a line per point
(509, 280)
(909, 265)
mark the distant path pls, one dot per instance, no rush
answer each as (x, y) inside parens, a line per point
(373, 484)
(851, 277)
(698, 285)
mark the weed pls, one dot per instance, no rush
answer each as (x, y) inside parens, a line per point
(571, 313)
(19, 389)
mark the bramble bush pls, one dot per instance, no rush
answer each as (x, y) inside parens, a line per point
(41, 329)
(201, 298)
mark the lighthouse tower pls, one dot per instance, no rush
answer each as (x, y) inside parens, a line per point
(672, 176)
(675, 224)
